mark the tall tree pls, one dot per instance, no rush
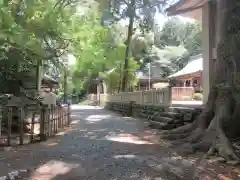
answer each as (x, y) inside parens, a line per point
(143, 11)
(219, 120)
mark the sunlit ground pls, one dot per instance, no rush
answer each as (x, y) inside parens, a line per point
(83, 107)
(54, 168)
(127, 138)
(90, 118)
(95, 118)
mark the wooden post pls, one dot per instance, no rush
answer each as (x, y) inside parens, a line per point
(1, 121)
(48, 121)
(61, 123)
(42, 123)
(65, 85)
(9, 125)
(32, 126)
(21, 121)
(55, 119)
(169, 95)
(68, 114)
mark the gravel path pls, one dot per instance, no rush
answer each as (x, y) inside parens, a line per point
(100, 145)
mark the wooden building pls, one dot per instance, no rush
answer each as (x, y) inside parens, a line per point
(188, 81)
(206, 12)
(146, 83)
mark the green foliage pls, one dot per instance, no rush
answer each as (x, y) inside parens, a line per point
(114, 76)
(31, 32)
(96, 49)
(176, 32)
(145, 10)
(198, 97)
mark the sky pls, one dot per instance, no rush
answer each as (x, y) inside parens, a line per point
(161, 19)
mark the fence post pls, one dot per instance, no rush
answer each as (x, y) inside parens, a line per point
(68, 114)
(9, 125)
(1, 121)
(32, 126)
(131, 108)
(153, 96)
(49, 120)
(42, 123)
(141, 97)
(21, 121)
(169, 95)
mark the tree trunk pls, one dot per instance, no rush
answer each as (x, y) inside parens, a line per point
(219, 120)
(131, 10)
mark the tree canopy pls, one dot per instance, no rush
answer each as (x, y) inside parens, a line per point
(45, 30)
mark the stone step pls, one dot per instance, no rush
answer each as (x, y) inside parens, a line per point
(160, 125)
(156, 123)
(163, 119)
(170, 114)
(177, 109)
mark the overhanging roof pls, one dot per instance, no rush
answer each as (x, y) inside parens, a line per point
(190, 8)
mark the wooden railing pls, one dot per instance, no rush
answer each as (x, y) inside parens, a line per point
(182, 93)
(150, 97)
(20, 126)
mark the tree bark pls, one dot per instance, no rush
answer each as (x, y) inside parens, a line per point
(131, 11)
(219, 120)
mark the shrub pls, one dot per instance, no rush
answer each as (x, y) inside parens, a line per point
(198, 96)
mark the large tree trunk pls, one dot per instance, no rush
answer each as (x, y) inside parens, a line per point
(219, 121)
(131, 10)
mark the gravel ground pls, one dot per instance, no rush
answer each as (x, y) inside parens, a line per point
(99, 145)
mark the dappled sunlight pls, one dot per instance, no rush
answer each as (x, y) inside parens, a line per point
(127, 138)
(52, 169)
(84, 107)
(100, 130)
(52, 144)
(75, 122)
(127, 156)
(61, 133)
(96, 118)
(74, 115)
(128, 118)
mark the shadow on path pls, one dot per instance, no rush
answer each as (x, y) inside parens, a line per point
(99, 145)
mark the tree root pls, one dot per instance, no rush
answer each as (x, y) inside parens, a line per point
(201, 122)
(181, 130)
(207, 135)
(191, 138)
(175, 136)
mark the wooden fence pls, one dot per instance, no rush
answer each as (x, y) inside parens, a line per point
(182, 93)
(20, 126)
(149, 97)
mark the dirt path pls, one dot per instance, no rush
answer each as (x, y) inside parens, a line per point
(101, 145)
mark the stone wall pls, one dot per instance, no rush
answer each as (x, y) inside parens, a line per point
(153, 105)
(161, 117)
(135, 110)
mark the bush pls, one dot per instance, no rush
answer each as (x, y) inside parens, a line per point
(198, 97)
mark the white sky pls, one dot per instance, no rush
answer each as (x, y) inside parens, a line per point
(161, 19)
(71, 59)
